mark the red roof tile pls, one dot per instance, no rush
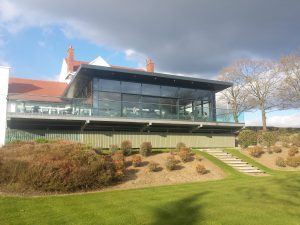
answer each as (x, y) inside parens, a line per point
(35, 90)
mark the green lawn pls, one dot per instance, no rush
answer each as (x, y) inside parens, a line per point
(238, 199)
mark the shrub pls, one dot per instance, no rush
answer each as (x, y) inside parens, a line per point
(126, 147)
(247, 138)
(280, 162)
(256, 151)
(180, 145)
(201, 169)
(295, 139)
(285, 144)
(269, 138)
(153, 166)
(293, 151)
(284, 138)
(113, 148)
(136, 160)
(171, 162)
(185, 154)
(293, 161)
(41, 140)
(59, 166)
(146, 149)
(276, 149)
(198, 158)
(119, 163)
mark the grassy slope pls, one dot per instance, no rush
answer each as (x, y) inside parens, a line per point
(238, 199)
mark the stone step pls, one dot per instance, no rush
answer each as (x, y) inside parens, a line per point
(252, 171)
(242, 166)
(233, 161)
(226, 157)
(247, 169)
(215, 152)
(220, 154)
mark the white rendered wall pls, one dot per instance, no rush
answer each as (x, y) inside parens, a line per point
(63, 72)
(4, 75)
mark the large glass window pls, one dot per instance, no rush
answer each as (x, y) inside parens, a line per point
(150, 89)
(131, 87)
(150, 107)
(169, 108)
(130, 99)
(109, 85)
(131, 105)
(109, 104)
(167, 91)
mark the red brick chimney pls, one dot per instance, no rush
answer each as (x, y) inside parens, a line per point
(70, 59)
(150, 66)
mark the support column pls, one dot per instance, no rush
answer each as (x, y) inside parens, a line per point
(4, 75)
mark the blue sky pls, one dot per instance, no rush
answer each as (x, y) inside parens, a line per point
(193, 39)
(38, 52)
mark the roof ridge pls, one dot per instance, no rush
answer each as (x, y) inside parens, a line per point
(38, 80)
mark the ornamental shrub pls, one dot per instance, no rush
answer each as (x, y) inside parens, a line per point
(293, 161)
(136, 160)
(256, 151)
(146, 149)
(198, 157)
(293, 151)
(119, 163)
(59, 166)
(126, 147)
(247, 138)
(280, 162)
(180, 145)
(185, 154)
(295, 139)
(276, 149)
(269, 138)
(171, 162)
(153, 166)
(201, 169)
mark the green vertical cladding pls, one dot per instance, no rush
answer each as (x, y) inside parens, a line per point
(105, 139)
(15, 134)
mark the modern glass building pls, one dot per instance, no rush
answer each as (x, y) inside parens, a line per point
(109, 101)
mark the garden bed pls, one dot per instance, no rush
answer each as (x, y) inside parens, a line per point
(137, 177)
(268, 160)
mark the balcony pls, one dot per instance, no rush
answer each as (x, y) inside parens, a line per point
(82, 108)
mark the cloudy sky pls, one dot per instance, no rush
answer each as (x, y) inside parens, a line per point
(188, 37)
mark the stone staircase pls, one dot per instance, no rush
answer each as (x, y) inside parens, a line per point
(234, 162)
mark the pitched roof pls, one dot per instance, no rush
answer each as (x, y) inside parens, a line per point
(35, 90)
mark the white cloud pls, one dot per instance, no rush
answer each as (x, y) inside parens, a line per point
(292, 120)
(8, 11)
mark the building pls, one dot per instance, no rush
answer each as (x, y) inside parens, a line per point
(101, 104)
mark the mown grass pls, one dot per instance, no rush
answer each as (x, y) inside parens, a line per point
(238, 199)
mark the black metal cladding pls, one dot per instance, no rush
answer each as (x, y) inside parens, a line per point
(90, 71)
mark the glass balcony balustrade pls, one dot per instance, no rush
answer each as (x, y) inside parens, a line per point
(120, 109)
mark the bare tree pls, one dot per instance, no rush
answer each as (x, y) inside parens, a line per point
(262, 78)
(236, 96)
(289, 91)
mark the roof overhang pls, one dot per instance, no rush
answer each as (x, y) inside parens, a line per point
(87, 72)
